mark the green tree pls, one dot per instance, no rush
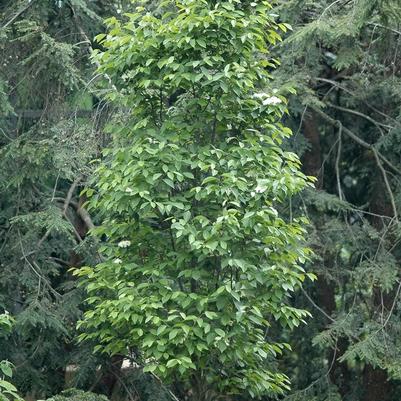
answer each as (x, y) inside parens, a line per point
(342, 57)
(198, 262)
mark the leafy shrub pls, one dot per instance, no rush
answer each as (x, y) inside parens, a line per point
(74, 394)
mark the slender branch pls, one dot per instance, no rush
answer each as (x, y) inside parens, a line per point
(39, 244)
(35, 268)
(317, 306)
(328, 8)
(357, 139)
(20, 12)
(55, 186)
(340, 195)
(358, 113)
(388, 187)
(60, 261)
(393, 305)
(70, 193)
(385, 27)
(338, 85)
(172, 395)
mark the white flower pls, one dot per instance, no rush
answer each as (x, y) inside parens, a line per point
(124, 244)
(267, 99)
(117, 261)
(129, 190)
(261, 186)
(260, 95)
(272, 100)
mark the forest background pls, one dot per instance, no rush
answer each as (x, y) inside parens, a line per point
(342, 58)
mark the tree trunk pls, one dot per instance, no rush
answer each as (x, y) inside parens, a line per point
(376, 383)
(312, 159)
(312, 165)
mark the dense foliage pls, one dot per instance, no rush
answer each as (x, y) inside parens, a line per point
(342, 57)
(73, 394)
(7, 389)
(198, 261)
(50, 129)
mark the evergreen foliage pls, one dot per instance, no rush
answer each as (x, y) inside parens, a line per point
(342, 58)
(50, 130)
(73, 394)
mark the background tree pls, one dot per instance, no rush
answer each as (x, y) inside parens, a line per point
(342, 57)
(50, 129)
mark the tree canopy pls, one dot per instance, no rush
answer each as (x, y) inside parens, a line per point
(198, 260)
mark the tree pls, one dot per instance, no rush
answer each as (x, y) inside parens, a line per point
(50, 128)
(197, 259)
(342, 58)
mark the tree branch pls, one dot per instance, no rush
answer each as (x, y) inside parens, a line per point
(70, 193)
(358, 113)
(338, 85)
(20, 12)
(388, 187)
(357, 139)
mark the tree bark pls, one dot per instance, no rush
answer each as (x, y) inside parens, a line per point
(376, 383)
(312, 165)
(312, 159)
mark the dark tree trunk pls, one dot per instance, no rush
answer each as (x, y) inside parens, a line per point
(312, 165)
(110, 375)
(376, 383)
(312, 159)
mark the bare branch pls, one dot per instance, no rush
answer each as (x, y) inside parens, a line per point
(20, 12)
(338, 85)
(357, 139)
(358, 113)
(70, 193)
(340, 194)
(388, 187)
(85, 216)
(385, 27)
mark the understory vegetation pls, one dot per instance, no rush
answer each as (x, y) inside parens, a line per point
(200, 200)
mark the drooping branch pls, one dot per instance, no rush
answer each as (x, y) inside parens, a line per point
(357, 139)
(388, 187)
(343, 88)
(358, 113)
(20, 12)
